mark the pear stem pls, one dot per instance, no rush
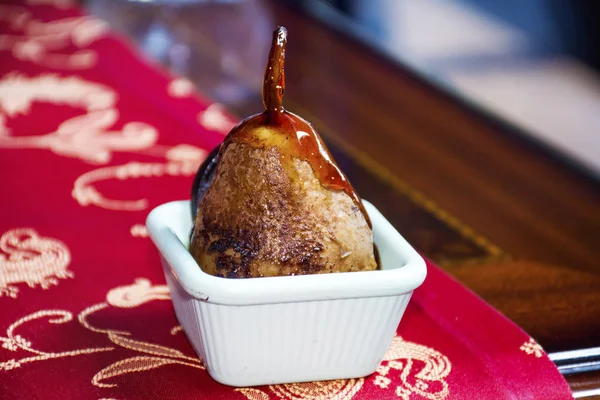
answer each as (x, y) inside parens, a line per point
(274, 80)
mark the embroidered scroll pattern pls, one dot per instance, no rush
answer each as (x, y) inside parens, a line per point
(422, 371)
(28, 258)
(42, 43)
(18, 92)
(85, 193)
(155, 356)
(152, 355)
(88, 137)
(142, 291)
(215, 118)
(139, 230)
(15, 342)
(180, 87)
(253, 394)
(182, 160)
(341, 389)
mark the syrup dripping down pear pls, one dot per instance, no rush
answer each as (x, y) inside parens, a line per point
(271, 201)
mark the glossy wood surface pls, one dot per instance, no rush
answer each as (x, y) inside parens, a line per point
(513, 223)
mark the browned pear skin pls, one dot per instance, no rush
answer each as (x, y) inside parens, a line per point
(278, 204)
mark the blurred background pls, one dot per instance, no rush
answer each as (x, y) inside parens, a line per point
(532, 65)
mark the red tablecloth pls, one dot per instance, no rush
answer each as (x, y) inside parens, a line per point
(91, 138)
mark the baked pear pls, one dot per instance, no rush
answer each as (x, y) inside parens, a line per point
(274, 202)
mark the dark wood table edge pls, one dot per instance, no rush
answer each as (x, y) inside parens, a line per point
(338, 24)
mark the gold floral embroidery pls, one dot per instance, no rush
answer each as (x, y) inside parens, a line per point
(149, 348)
(532, 347)
(253, 394)
(18, 92)
(86, 194)
(395, 365)
(341, 389)
(131, 296)
(83, 319)
(137, 294)
(15, 342)
(214, 118)
(134, 364)
(383, 370)
(88, 137)
(37, 41)
(382, 381)
(33, 51)
(31, 259)
(188, 155)
(176, 329)
(180, 87)
(139, 230)
(164, 356)
(122, 297)
(422, 373)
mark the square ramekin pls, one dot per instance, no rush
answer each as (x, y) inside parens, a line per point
(260, 331)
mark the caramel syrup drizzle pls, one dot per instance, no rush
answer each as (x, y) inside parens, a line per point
(294, 136)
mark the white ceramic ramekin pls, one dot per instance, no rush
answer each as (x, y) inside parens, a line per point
(260, 331)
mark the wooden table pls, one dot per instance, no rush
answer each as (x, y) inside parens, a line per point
(512, 222)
